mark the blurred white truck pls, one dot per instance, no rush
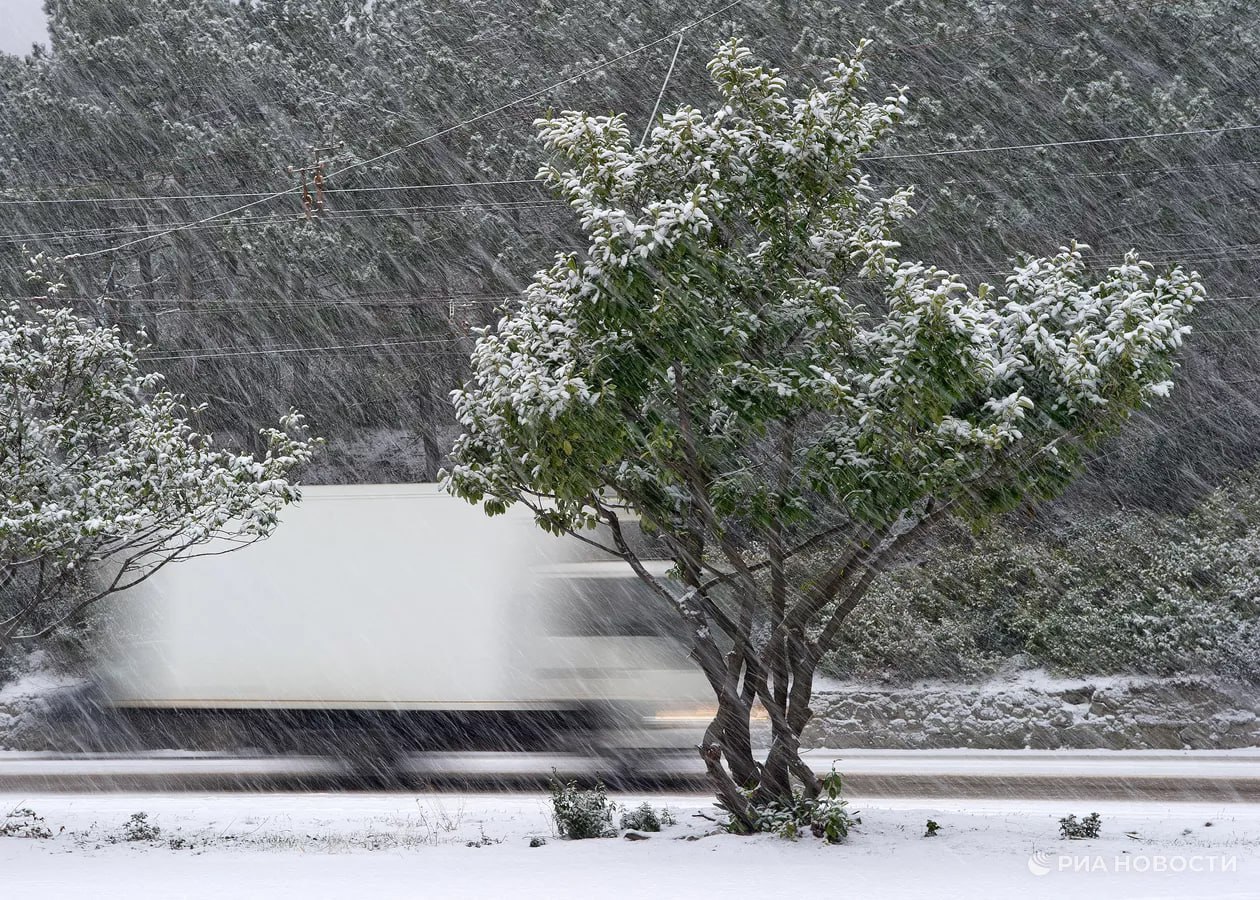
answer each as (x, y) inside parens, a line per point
(403, 613)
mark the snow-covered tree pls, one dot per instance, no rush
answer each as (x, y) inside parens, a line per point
(103, 479)
(740, 360)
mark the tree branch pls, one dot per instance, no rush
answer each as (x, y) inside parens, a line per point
(871, 568)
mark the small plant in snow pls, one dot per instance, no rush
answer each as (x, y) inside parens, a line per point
(483, 839)
(645, 818)
(139, 828)
(1073, 830)
(581, 813)
(439, 819)
(932, 828)
(24, 823)
(825, 816)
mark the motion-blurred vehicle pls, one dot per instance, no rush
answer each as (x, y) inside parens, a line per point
(391, 619)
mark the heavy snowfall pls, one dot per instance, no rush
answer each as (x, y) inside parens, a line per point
(574, 449)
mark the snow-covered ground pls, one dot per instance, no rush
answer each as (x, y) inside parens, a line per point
(453, 845)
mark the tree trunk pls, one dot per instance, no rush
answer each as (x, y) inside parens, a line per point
(783, 760)
(728, 740)
(776, 781)
(728, 737)
(732, 729)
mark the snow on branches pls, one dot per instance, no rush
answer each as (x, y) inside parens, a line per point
(102, 478)
(742, 259)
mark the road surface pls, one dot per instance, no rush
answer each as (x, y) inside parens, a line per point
(1232, 776)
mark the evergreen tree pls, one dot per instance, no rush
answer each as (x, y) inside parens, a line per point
(741, 360)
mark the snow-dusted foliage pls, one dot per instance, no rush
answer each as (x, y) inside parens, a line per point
(1117, 594)
(741, 358)
(103, 479)
(187, 100)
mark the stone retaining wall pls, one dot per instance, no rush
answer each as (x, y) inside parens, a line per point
(1118, 714)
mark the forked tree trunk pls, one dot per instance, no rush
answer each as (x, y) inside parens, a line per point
(793, 658)
(780, 673)
(742, 782)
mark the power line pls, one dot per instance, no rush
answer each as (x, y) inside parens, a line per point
(194, 354)
(1075, 143)
(366, 299)
(197, 354)
(664, 84)
(1107, 173)
(156, 229)
(437, 134)
(299, 305)
(383, 299)
(226, 352)
(161, 228)
(243, 304)
(104, 230)
(157, 198)
(243, 194)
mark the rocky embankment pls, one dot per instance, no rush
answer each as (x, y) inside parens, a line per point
(1040, 713)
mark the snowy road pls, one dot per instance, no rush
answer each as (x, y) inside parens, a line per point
(476, 845)
(1138, 775)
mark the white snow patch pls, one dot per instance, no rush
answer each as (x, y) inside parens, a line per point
(476, 845)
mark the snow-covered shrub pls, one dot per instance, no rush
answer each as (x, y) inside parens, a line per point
(483, 839)
(1135, 595)
(1119, 594)
(24, 823)
(103, 478)
(139, 828)
(579, 813)
(1072, 829)
(645, 818)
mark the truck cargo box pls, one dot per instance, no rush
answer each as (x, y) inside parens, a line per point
(399, 599)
